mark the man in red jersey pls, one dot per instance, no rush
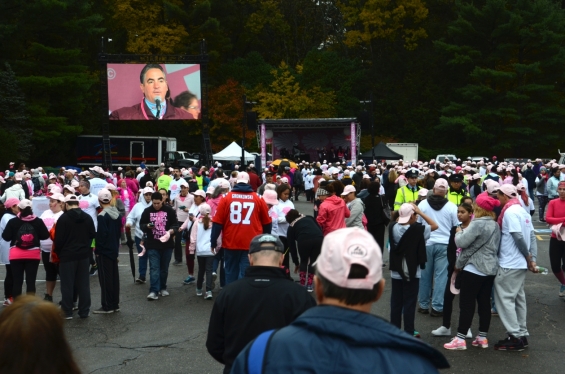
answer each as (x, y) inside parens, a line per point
(240, 216)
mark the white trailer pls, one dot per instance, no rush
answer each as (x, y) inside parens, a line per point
(409, 151)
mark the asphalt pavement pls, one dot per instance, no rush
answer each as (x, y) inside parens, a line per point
(168, 335)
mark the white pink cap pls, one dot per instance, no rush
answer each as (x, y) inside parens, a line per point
(200, 193)
(441, 184)
(405, 212)
(242, 177)
(270, 197)
(147, 190)
(348, 189)
(58, 197)
(25, 203)
(284, 180)
(204, 209)
(104, 195)
(345, 247)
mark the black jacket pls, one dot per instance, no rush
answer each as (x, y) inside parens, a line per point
(374, 210)
(11, 231)
(451, 251)
(303, 232)
(167, 215)
(411, 246)
(263, 300)
(74, 233)
(108, 233)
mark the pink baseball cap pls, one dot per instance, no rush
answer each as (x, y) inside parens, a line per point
(200, 193)
(204, 209)
(441, 184)
(58, 197)
(242, 177)
(509, 190)
(25, 203)
(270, 197)
(210, 190)
(348, 189)
(345, 247)
(406, 210)
(284, 180)
(147, 190)
(492, 186)
(104, 195)
(11, 202)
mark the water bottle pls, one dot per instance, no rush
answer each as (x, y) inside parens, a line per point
(541, 270)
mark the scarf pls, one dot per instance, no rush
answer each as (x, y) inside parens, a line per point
(27, 218)
(511, 202)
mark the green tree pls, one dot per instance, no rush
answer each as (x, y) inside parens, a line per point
(511, 54)
(284, 98)
(45, 43)
(14, 130)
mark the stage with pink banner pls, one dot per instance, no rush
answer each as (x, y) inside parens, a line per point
(124, 84)
(315, 141)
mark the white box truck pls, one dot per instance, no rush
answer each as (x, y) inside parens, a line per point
(409, 151)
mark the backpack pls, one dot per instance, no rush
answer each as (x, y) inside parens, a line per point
(37, 191)
(26, 236)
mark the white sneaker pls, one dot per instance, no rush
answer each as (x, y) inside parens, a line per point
(208, 295)
(469, 335)
(442, 331)
(164, 293)
(152, 296)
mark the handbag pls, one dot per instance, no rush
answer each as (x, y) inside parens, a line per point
(386, 209)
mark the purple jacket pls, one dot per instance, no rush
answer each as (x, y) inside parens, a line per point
(135, 113)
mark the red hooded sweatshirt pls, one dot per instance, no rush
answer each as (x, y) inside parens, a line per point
(332, 215)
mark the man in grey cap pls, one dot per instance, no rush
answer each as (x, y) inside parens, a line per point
(263, 300)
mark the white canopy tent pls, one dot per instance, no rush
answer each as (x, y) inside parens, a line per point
(233, 153)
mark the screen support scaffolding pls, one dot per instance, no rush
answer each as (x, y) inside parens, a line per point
(105, 58)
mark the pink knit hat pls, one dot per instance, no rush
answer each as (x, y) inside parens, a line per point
(486, 202)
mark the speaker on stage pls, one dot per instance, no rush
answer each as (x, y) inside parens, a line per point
(251, 119)
(364, 119)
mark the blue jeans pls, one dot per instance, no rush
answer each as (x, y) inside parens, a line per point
(142, 260)
(434, 273)
(219, 260)
(159, 260)
(235, 264)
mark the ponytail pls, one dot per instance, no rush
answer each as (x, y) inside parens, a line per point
(206, 221)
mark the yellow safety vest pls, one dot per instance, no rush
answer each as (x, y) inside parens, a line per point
(405, 195)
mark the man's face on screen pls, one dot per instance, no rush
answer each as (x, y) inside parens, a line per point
(154, 85)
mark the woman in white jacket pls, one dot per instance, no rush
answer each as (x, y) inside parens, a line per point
(200, 244)
(279, 214)
(12, 210)
(16, 190)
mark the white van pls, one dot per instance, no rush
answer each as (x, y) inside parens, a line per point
(440, 158)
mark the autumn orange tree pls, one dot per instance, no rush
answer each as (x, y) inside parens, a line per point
(226, 116)
(368, 20)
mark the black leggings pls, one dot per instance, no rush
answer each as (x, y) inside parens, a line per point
(403, 298)
(51, 269)
(19, 267)
(448, 302)
(309, 250)
(8, 282)
(378, 232)
(556, 255)
(543, 200)
(474, 288)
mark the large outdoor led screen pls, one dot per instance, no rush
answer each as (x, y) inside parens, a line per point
(154, 91)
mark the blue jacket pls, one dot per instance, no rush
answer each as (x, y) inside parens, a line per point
(328, 339)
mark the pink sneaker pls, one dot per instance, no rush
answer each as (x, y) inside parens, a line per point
(480, 342)
(456, 344)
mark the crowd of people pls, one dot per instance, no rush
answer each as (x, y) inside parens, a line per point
(463, 226)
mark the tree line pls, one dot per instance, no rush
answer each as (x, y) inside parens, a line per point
(456, 76)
